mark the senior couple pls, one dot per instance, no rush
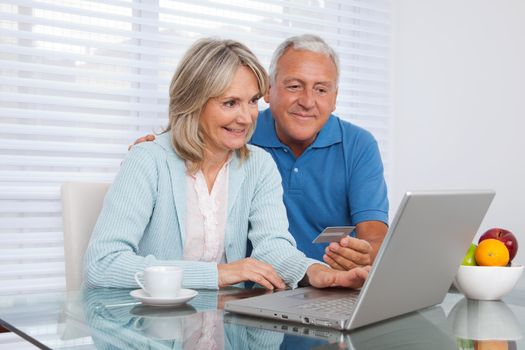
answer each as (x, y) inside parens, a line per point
(201, 198)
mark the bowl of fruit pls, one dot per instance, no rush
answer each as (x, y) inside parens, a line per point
(487, 272)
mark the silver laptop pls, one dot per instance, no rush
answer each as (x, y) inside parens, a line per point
(414, 267)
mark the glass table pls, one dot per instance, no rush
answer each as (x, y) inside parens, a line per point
(112, 319)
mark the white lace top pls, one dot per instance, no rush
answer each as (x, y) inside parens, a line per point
(206, 217)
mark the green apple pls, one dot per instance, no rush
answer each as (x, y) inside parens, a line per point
(469, 259)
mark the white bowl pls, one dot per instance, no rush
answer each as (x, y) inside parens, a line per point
(487, 282)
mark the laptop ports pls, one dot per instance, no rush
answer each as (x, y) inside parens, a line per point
(320, 322)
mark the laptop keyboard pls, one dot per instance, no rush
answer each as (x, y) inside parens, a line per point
(330, 305)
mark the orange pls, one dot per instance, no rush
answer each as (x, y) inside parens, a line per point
(491, 252)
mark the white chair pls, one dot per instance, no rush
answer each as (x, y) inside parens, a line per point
(81, 205)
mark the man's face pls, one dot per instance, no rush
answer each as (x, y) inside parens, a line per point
(302, 97)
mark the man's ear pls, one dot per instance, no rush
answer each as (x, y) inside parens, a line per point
(335, 100)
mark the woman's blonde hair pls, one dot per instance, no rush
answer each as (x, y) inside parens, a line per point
(206, 71)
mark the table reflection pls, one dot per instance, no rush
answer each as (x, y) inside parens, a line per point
(427, 329)
(484, 325)
(112, 319)
(166, 323)
(117, 321)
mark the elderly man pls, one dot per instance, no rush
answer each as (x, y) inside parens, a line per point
(331, 170)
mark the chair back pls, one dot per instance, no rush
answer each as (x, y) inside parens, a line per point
(81, 205)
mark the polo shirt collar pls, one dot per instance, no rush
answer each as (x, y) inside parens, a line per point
(330, 134)
(266, 136)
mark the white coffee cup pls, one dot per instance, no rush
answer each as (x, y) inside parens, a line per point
(160, 281)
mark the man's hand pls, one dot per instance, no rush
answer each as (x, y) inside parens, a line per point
(361, 251)
(320, 276)
(350, 252)
(249, 269)
(149, 137)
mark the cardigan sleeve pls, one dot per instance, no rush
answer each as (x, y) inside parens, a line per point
(268, 229)
(112, 257)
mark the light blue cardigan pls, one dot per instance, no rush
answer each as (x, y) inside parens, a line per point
(142, 222)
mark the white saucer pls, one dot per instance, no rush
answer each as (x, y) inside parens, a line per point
(184, 296)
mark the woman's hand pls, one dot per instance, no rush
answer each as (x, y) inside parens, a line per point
(249, 270)
(320, 276)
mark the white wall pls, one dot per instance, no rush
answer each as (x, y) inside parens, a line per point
(459, 102)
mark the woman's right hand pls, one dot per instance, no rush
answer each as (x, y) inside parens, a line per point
(249, 269)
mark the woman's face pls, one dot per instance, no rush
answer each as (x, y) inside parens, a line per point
(226, 120)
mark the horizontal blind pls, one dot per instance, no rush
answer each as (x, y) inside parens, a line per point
(80, 80)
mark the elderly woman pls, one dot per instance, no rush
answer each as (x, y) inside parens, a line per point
(199, 193)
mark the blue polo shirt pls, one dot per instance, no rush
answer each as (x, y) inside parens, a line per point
(337, 181)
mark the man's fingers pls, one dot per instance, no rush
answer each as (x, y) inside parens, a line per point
(333, 264)
(140, 140)
(137, 141)
(356, 244)
(346, 263)
(348, 257)
(147, 138)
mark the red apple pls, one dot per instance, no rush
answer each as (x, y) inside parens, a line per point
(504, 236)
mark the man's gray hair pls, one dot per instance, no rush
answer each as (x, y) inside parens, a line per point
(305, 42)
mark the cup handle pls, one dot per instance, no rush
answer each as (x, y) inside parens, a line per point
(139, 275)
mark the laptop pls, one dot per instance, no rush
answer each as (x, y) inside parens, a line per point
(413, 269)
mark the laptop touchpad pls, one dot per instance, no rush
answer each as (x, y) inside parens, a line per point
(321, 293)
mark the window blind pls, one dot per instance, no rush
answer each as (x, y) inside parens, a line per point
(80, 80)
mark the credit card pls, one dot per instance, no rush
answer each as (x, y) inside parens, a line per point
(333, 234)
